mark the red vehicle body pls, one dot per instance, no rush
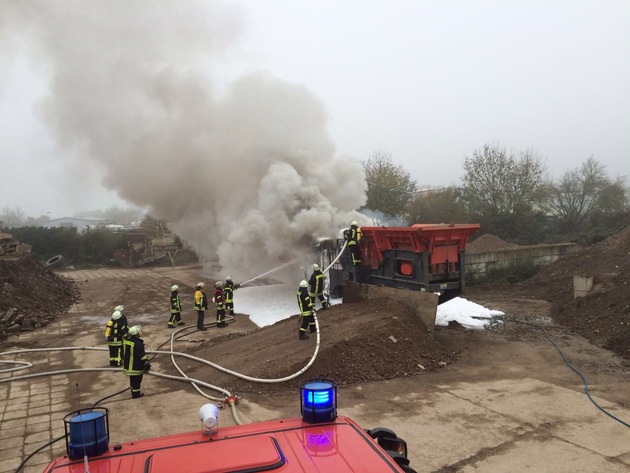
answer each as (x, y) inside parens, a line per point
(423, 257)
(288, 445)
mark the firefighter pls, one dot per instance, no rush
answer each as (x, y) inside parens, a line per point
(176, 308)
(201, 304)
(136, 360)
(114, 333)
(352, 236)
(307, 312)
(316, 286)
(219, 303)
(228, 289)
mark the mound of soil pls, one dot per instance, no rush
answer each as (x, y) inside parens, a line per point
(31, 294)
(603, 316)
(365, 341)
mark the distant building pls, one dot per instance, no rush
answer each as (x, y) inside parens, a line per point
(79, 223)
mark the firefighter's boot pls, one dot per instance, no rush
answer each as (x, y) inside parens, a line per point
(303, 335)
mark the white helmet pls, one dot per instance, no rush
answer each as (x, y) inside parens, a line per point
(303, 283)
(315, 267)
(218, 284)
(200, 284)
(119, 308)
(354, 222)
(229, 278)
(135, 330)
(116, 315)
(174, 287)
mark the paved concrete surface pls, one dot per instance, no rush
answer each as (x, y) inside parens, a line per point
(499, 426)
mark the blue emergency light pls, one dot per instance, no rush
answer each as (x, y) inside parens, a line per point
(318, 400)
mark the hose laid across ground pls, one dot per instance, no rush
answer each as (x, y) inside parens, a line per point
(172, 353)
(231, 400)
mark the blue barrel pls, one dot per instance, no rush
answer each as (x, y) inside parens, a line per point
(87, 434)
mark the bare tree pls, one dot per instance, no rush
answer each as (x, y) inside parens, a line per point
(582, 192)
(13, 218)
(390, 187)
(497, 183)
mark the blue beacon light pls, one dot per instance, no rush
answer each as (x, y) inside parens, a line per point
(318, 400)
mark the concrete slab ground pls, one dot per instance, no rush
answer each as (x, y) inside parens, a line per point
(471, 417)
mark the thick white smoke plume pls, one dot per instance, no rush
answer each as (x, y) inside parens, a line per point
(246, 173)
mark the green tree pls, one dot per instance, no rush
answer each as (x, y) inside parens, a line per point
(583, 194)
(98, 245)
(390, 188)
(48, 242)
(154, 227)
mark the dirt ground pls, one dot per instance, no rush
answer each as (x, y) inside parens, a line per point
(379, 353)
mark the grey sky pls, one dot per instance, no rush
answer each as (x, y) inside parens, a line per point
(427, 81)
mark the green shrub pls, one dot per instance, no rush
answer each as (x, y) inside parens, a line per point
(94, 247)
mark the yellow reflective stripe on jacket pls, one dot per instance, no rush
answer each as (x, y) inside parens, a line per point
(129, 369)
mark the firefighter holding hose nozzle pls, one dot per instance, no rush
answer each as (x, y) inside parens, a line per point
(219, 303)
(316, 286)
(228, 289)
(353, 237)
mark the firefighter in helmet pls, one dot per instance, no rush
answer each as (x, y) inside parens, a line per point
(176, 308)
(228, 289)
(353, 237)
(219, 303)
(136, 360)
(316, 286)
(201, 304)
(307, 312)
(115, 331)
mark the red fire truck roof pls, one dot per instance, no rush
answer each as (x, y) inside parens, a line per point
(288, 445)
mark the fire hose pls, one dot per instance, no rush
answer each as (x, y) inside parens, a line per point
(229, 398)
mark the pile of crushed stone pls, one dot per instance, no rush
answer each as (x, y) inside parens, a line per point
(488, 242)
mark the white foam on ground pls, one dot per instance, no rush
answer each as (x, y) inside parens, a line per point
(267, 305)
(469, 314)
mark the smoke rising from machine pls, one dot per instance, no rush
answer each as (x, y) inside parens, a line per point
(244, 171)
